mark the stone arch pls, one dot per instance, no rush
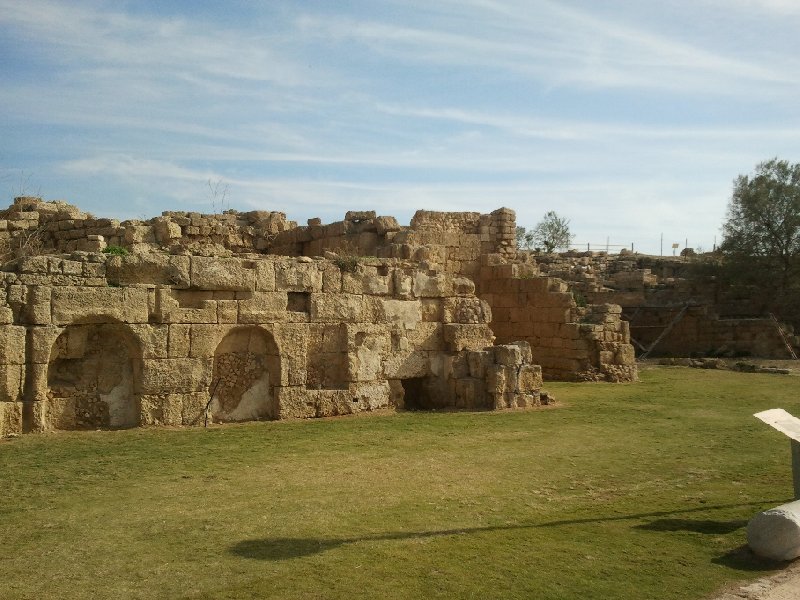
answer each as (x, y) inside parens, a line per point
(246, 373)
(92, 376)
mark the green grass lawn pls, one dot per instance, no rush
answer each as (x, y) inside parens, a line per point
(622, 491)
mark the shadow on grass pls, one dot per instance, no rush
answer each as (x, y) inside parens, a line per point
(707, 527)
(743, 559)
(276, 549)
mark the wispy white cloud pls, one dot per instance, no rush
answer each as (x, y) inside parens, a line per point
(100, 40)
(625, 119)
(558, 45)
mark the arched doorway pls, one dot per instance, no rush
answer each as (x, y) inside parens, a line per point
(91, 377)
(246, 371)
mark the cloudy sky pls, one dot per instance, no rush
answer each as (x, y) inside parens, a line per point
(629, 118)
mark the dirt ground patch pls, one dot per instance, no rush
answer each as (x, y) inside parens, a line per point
(779, 586)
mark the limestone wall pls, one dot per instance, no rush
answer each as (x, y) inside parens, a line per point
(92, 340)
(31, 226)
(449, 241)
(699, 333)
(569, 342)
(212, 266)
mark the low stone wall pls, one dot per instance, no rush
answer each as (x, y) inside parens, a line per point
(31, 226)
(700, 332)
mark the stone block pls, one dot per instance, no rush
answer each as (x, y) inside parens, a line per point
(179, 341)
(12, 345)
(176, 375)
(508, 355)
(139, 234)
(345, 308)
(10, 418)
(38, 311)
(478, 361)
(404, 365)
(166, 231)
(227, 311)
(438, 285)
(775, 533)
(265, 275)
(98, 304)
(152, 268)
(365, 354)
(153, 340)
(367, 282)
(294, 403)
(432, 310)
(12, 380)
(36, 265)
(470, 393)
(204, 339)
(403, 285)
(463, 286)
(193, 408)
(163, 409)
(384, 225)
(459, 337)
(263, 307)
(331, 279)
(370, 395)
(465, 310)
(215, 273)
(405, 314)
(426, 336)
(529, 379)
(296, 276)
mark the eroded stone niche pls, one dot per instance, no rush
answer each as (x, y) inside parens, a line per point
(92, 377)
(246, 367)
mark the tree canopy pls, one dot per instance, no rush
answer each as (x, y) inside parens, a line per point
(551, 233)
(761, 235)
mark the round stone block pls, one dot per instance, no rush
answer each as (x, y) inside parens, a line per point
(775, 533)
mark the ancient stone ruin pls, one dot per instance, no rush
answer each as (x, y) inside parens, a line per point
(672, 309)
(245, 316)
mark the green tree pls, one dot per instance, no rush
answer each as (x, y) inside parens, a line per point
(551, 233)
(761, 235)
(520, 232)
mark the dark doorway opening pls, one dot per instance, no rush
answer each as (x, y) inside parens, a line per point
(416, 395)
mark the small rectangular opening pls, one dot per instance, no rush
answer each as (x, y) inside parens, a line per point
(298, 302)
(415, 394)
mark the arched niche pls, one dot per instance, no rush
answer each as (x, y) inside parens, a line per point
(92, 377)
(246, 372)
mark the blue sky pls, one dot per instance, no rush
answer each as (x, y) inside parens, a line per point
(629, 118)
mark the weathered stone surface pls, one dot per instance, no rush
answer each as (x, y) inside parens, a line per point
(405, 314)
(142, 338)
(467, 337)
(90, 304)
(298, 277)
(775, 533)
(151, 268)
(344, 308)
(229, 274)
(176, 375)
(263, 307)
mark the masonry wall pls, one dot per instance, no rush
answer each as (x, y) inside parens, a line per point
(569, 342)
(699, 333)
(466, 248)
(153, 339)
(32, 226)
